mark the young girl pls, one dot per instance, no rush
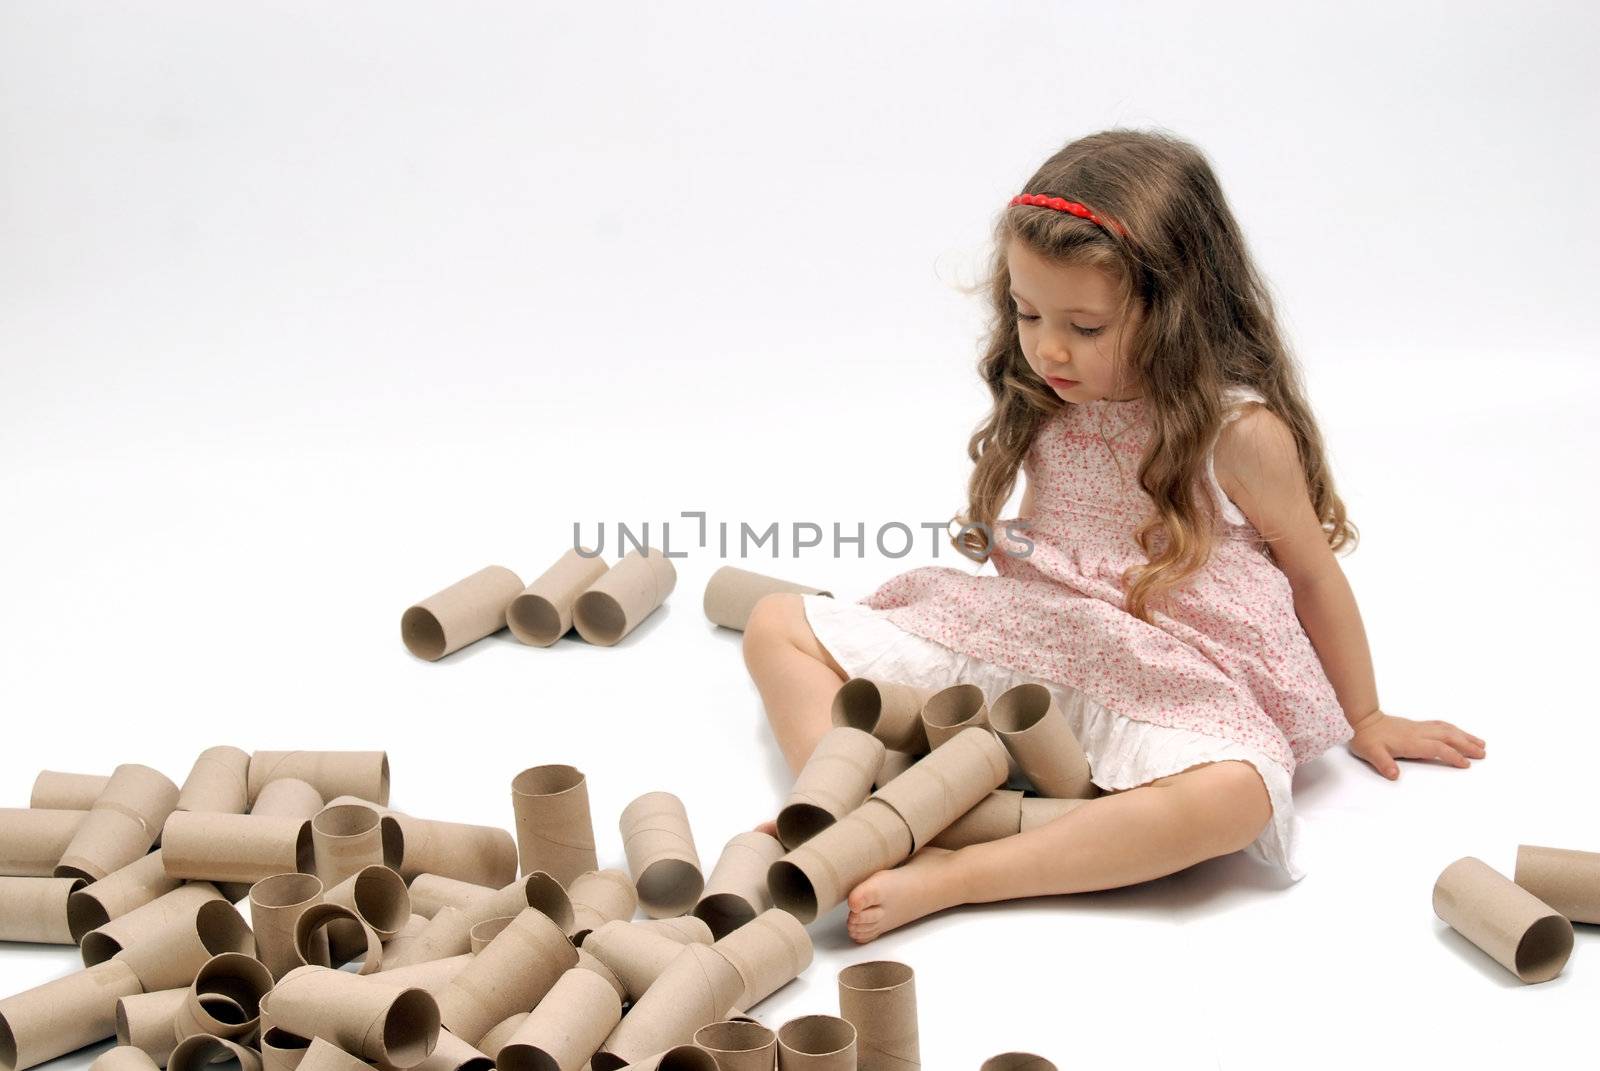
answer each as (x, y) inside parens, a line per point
(1170, 576)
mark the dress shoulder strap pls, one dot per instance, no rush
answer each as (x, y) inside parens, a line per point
(1238, 394)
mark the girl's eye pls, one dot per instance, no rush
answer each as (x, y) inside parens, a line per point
(1086, 332)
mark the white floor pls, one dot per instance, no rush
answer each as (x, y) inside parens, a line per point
(304, 315)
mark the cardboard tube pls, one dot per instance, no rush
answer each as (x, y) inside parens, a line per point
(243, 980)
(276, 904)
(322, 918)
(818, 875)
(817, 1043)
(57, 791)
(463, 613)
(33, 841)
(363, 774)
(661, 854)
(63, 1015)
(835, 780)
(171, 956)
(324, 1055)
(769, 952)
(344, 839)
(512, 974)
(487, 930)
(496, 1038)
(554, 830)
(379, 897)
(434, 975)
(996, 816)
(122, 825)
(200, 1051)
(566, 1028)
(447, 934)
(145, 921)
(626, 594)
(414, 925)
(1519, 931)
(738, 1045)
(35, 909)
(1017, 1061)
(1035, 732)
(949, 710)
(141, 881)
(588, 962)
(946, 784)
(599, 897)
(366, 1017)
(895, 763)
(453, 1054)
(1567, 880)
(281, 1050)
(697, 988)
(542, 613)
(732, 593)
(483, 855)
(879, 999)
(635, 955)
(123, 1058)
(430, 892)
(684, 929)
(1037, 810)
(889, 710)
(200, 846)
(287, 797)
(219, 781)
(677, 1058)
(148, 1020)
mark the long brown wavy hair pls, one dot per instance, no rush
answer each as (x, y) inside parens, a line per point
(1207, 323)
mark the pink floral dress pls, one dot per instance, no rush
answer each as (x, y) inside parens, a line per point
(1226, 671)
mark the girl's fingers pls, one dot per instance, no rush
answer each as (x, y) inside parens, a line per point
(1379, 757)
(1464, 743)
(1439, 751)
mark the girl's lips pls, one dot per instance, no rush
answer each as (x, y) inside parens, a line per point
(1062, 383)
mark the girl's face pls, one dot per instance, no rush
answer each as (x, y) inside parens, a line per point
(1066, 320)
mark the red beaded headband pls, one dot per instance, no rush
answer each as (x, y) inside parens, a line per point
(1061, 204)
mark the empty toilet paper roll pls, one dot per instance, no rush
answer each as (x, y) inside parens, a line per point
(63, 1015)
(358, 938)
(634, 954)
(554, 830)
(737, 892)
(732, 593)
(148, 1020)
(434, 975)
(542, 613)
(895, 763)
(430, 892)
(889, 710)
(281, 1050)
(620, 600)
(453, 1054)
(35, 909)
(1017, 1061)
(946, 784)
(566, 1028)
(817, 1043)
(1035, 731)
(200, 846)
(483, 855)
(170, 957)
(512, 974)
(949, 710)
(123, 1058)
(145, 921)
(447, 934)
(818, 875)
(276, 904)
(483, 932)
(1037, 810)
(362, 774)
(997, 815)
(1567, 880)
(413, 926)
(739, 1045)
(769, 952)
(369, 1018)
(344, 839)
(33, 841)
(378, 896)
(243, 980)
(587, 962)
(124, 822)
(677, 1058)
(599, 897)
(684, 929)
(287, 797)
(323, 1055)
(58, 791)
(834, 781)
(141, 881)
(463, 613)
(661, 854)
(219, 781)
(200, 1051)
(697, 988)
(1519, 931)
(496, 1038)
(879, 999)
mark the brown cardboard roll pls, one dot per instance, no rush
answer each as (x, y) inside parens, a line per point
(889, 710)
(482, 933)
(430, 892)
(949, 710)
(33, 841)
(447, 934)
(768, 952)
(170, 956)
(817, 1043)
(542, 613)
(628, 592)
(737, 890)
(364, 774)
(276, 904)
(501, 1032)
(323, 1055)
(200, 1051)
(588, 962)
(434, 975)
(732, 593)
(697, 988)
(818, 875)
(322, 919)
(738, 1045)
(636, 956)
(554, 830)
(62, 1015)
(1017, 1061)
(243, 980)
(141, 881)
(677, 1058)
(199, 846)
(836, 778)
(512, 974)
(1036, 733)
(684, 929)
(148, 1021)
(123, 1058)
(661, 854)
(122, 825)
(879, 999)
(483, 855)
(453, 1054)
(377, 896)
(895, 763)
(1037, 810)
(1519, 931)
(996, 816)
(413, 926)
(463, 613)
(946, 784)
(391, 835)
(287, 797)
(35, 909)
(281, 1050)
(344, 839)
(598, 897)
(1567, 880)
(145, 921)
(219, 781)
(366, 1017)
(566, 1028)
(57, 791)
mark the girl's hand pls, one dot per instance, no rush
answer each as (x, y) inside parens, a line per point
(1381, 738)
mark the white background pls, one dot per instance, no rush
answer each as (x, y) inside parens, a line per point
(307, 310)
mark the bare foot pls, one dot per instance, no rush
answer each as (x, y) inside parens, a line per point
(769, 827)
(892, 898)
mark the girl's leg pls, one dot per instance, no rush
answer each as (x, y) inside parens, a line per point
(795, 675)
(1113, 840)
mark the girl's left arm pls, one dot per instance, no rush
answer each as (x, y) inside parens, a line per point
(1258, 465)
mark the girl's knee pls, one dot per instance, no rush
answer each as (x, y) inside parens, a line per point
(772, 620)
(1227, 803)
